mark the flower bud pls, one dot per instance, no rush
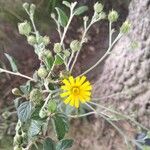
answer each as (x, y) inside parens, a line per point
(75, 45)
(85, 18)
(126, 26)
(66, 53)
(113, 16)
(42, 72)
(57, 48)
(32, 9)
(47, 54)
(43, 113)
(24, 28)
(46, 40)
(17, 139)
(36, 96)
(102, 15)
(26, 6)
(16, 92)
(6, 114)
(17, 148)
(98, 7)
(31, 40)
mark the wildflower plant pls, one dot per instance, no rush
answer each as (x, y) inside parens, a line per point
(51, 98)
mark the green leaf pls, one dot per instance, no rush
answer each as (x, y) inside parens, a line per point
(62, 17)
(49, 144)
(26, 88)
(49, 62)
(60, 123)
(64, 144)
(12, 63)
(52, 106)
(80, 10)
(58, 60)
(24, 111)
(66, 3)
(17, 102)
(35, 128)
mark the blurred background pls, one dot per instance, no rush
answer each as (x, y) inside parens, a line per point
(11, 13)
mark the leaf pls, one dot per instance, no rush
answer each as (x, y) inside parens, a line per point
(12, 63)
(49, 62)
(26, 88)
(24, 111)
(35, 128)
(64, 144)
(58, 60)
(62, 17)
(17, 102)
(60, 124)
(66, 3)
(49, 144)
(52, 106)
(80, 10)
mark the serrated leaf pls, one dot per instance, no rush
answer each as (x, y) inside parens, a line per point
(66, 3)
(12, 63)
(62, 17)
(35, 128)
(80, 10)
(64, 144)
(49, 144)
(24, 111)
(60, 123)
(58, 60)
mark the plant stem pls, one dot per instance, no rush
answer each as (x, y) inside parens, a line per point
(103, 57)
(17, 74)
(115, 112)
(110, 33)
(82, 115)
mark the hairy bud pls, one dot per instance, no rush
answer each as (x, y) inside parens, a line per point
(36, 96)
(126, 26)
(98, 7)
(24, 28)
(57, 48)
(16, 92)
(75, 45)
(113, 16)
(42, 72)
(31, 40)
(66, 53)
(46, 40)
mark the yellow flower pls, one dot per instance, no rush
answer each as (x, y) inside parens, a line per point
(76, 91)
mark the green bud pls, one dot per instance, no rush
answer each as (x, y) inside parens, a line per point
(126, 26)
(24, 28)
(43, 113)
(32, 9)
(52, 106)
(47, 54)
(17, 139)
(86, 18)
(102, 15)
(46, 40)
(66, 53)
(75, 45)
(36, 96)
(31, 40)
(16, 92)
(6, 114)
(98, 7)
(113, 16)
(57, 48)
(26, 6)
(17, 148)
(42, 72)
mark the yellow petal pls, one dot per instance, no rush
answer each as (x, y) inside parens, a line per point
(72, 102)
(83, 78)
(64, 94)
(77, 103)
(77, 81)
(65, 87)
(66, 82)
(86, 84)
(71, 79)
(67, 100)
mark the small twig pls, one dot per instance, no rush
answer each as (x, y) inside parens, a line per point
(17, 74)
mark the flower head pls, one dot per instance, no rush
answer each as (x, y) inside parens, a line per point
(76, 91)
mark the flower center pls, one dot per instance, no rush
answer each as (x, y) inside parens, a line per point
(75, 90)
